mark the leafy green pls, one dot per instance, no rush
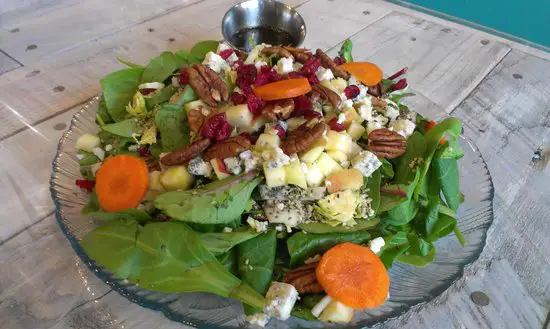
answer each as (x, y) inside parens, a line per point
(387, 169)
(118, 90)
(345, 51)
(319, 228)
(92, 205)
(303, 312)
(88, 159)
(186, 58)
(385, 85)
(102, 115)
(373, 186)
(128, 214)
(391, 196)
(420, 253)
(447, 174)
(302, 246)
(126, 128)
(188, 95)
(172, 124)
(127, 62)
(403, 212)
(201, 48)
(220, 243)
(395, 245)
(206, 210)
(160, 68)
(229, 261)
(416, 146)
(164, 256)
(160, 96)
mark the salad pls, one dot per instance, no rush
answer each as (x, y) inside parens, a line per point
(284, 178)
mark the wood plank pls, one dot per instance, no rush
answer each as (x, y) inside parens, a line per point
(7, 63)
(80, 69)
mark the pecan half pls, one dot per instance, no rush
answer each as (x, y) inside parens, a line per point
(280, 51)
(228, 148)
(302, 138)
(327, 94)
(328, 63)
(207, 84)
(378, 102)
(301, 55)
(279, 110)
(386, 143)
(185, 154)
(304, 279)
(196, 118)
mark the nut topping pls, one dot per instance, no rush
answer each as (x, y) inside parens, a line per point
(301, 55)
(280, 51)
(279, 110)
(196, 118)
(228, 148)
(378, 102)
(207, 84)
(302, 138)
(185, 154)
(304, 279)
(327, 94)
(386, 143)
(328, 63)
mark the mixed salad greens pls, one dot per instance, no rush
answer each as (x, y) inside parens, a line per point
(266, 176)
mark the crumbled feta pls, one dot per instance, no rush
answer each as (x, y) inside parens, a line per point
(341, 118)
(280, 299)
(376, 244)
(259, 64)
(324, 74)
(279, 228)
(275, 157)
(381, 119)
(250, 160)
(215, 62)
(199, 167)
(353, 81)
(346, 104)
(391, 113)
(373, 125)
(362, 93)
(233, 164)
(80, 156)
(258, 226)
(366, 162)
(222, 46)
(232, 58)
(227, 230)
(108, 147)
(99, 153)
(259, 319)
(404, 128)
(285, 65)
(365, 109)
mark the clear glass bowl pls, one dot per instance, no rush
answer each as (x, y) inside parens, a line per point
(409, 285)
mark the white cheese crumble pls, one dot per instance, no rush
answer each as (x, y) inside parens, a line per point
(403, 127)
(391, 113)
(232, 58)
(280, 299)
(258, 226)
(250, 160)
(259, 319)
(227, 230)
(222, 46)
(373, 125)
(362, 93)
(285, 65)
(259, 65)
(99, 153)
(341, 118)
(108, 147)
(346, 104)
(376, 244)
(95, 167)
(233, 164)
(365, 109)
(215, 62)
(324, 74)
(275, 158)
(366, 162)
(199, 167)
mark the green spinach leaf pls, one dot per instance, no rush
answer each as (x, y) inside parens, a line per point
(420, 253)
(102, 115)
(186, 58)
(188, 95)
(387, 169)
(446, 171)
(320, 228)
(88, 159)
(345, 51)
(125, 128)
(416, 147)
(220, 243)
(229, 261)
(172, 124)
(373, 186)
(118, 90)
(92, 205)
(201, 48)
(160, 97)
(128, 214)
(160, 68)
(256, 258)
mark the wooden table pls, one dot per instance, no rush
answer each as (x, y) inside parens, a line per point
(53, 53)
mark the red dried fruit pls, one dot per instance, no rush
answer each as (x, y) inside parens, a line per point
(334, 125)
(311, 66)
(281, 132)
(255, 104)
(295, 75)
(143, 151)
(398, 74)
(184, 77)
(238, 98)
(226, 53)
(147, 91)
(339, 60)
(313, 80)
(303, 107)
(217, 128)
(351, 91)
(267, 75)
(86, 184)
(401, 84)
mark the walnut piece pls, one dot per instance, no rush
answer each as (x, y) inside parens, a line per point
(207, 84)
(328, 63)
(279, 110)
(304, 279)
(385, 143)
(185, 154)
(228, 148)
(302, 138)
(327, 94)
(378, 102)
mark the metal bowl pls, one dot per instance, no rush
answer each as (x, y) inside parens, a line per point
(263, 21)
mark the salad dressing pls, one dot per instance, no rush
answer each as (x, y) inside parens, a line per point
(247, 38)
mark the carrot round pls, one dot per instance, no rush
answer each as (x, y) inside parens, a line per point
(353, 275)
(283, 89)
(367, 73)
(121, 182)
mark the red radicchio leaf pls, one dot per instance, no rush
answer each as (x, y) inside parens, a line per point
(398, 74)
(401, 84)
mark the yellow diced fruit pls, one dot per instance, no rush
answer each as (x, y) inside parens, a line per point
(337, 312)
(356, 130)
(154, 181)
(314, 175)
(194, 104)
(219, 168)
(351, 116)
(275, 176)
(256, 124)
(310, 155)
(346, 179)
(339, 141)
(239, 116)
(327, 165)
(355, 150)
(294, 123)
(339, 156)
(327, 84)
(87, 142)
(294, 174)
(176, 178)
(266, 140)
(339, 84)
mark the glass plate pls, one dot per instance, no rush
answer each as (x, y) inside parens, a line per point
(409, 285)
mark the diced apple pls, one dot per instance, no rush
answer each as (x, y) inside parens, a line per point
(194, 104)
(327, 84)
(339, 156)
(294, 123)
(314, 175)
(219, 168)
(154, 181)
(239, 116)
(339, 84)
(355, 150)
(327, 164)
(337, 312)
(266, 140)
(310, 155)
(176, 178)
(356, 130)
(275, 176)
(339, 141)
(295, 175)
(346, 179)
(351, 116)
(256, 124)
(87, 142)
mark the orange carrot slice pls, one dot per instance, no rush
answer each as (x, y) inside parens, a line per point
(121, 182)
(353, 275)
(283, 89)
(367, 73)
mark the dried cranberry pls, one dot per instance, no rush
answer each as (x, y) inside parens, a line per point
(267, 75)
(281, 132)
(295, 75)
(401, 84)
(217, 127)
(226, 53)
(351, 91)
(143, 151)
(238, 98)
(238, 64)
(334, 125)
(184, 76)
(301, 105)
(311, 66)
(398, 74)
(244, 85)
(86, 184)
(247, 72)
(147, 91)
(313, 80)
(255, 104)
(339, 60)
